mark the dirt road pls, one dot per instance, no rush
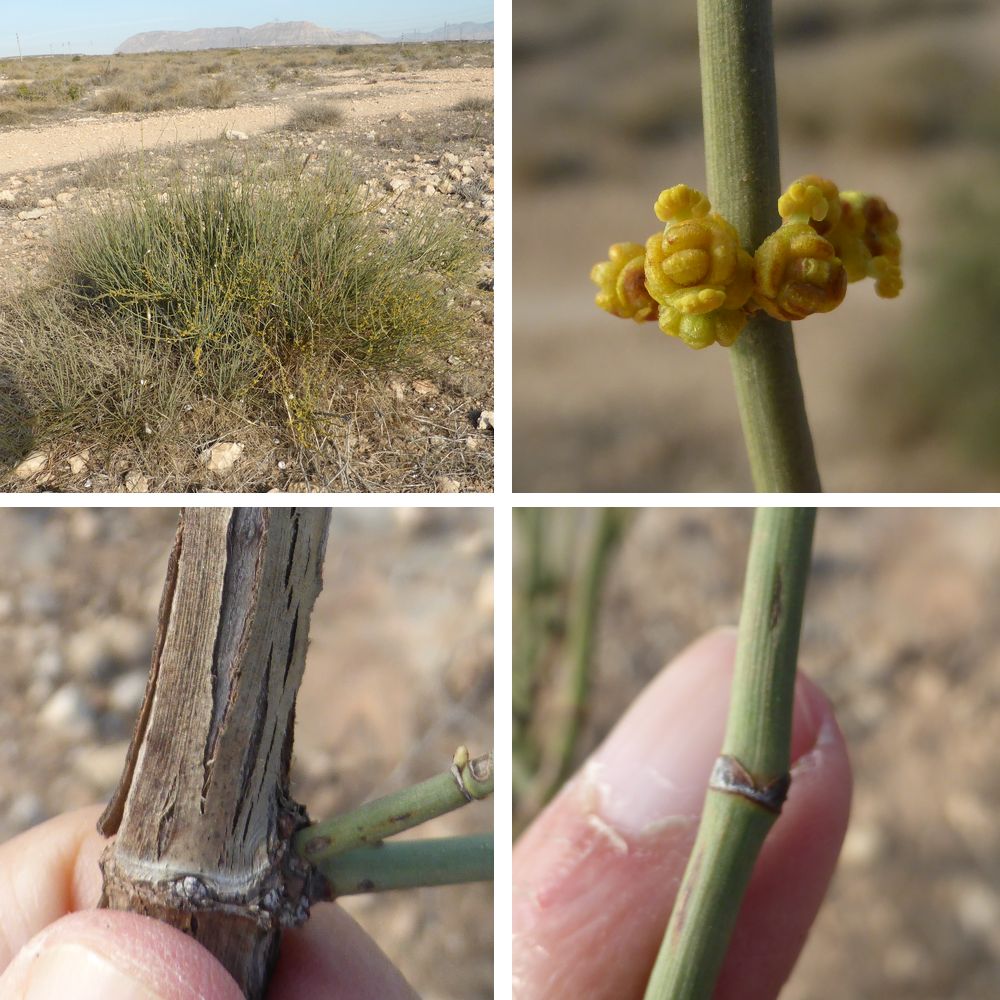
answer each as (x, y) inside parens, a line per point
(45, 146)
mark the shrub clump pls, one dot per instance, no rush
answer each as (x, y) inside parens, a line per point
(251, 289)
(311, 117)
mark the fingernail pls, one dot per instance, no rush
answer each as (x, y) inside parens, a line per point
(76, 971)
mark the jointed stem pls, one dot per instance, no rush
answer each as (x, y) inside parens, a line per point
(410, 864)
(741, 153)
(374, 821)
(757, 742)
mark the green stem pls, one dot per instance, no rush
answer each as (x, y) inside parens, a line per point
(758, 736)
(583, 632)
(533, 614)
(744, 182)
(410, 865)
(409, 807)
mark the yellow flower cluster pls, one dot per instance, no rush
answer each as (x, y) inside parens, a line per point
(701, 285)
(622, 281)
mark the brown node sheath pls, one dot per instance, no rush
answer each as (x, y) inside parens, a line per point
(730, 776)
(203, 814)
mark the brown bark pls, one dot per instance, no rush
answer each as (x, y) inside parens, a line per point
(203, 814)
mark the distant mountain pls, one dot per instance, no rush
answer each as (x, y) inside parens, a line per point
(469, 31)
(274, 33)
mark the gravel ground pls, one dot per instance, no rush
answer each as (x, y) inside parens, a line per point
(901, 631)
(399, 673)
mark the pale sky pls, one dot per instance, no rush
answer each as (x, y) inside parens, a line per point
(99, 27)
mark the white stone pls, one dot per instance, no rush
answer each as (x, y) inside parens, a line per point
(446, 485)
(65, 197)
(398, 184)
(45, 202)
(7, 197)
(221, 457)
(32, 465)
(69, 712)
(35, 213)
(136, 482)
(79, 463)
(126, 693)
(485, 421)
(231, 133)
(405, 116)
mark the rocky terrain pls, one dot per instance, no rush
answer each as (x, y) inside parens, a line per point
(416, 138)
(399, 672)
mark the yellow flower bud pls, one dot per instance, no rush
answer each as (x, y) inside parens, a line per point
(798, 273)
(797, 269)
(697, 271)
(869, 243)
(622, 282)
(811, 198)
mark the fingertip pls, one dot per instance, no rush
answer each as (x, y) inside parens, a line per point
(331, 956)
(107, 955)
(595, 875)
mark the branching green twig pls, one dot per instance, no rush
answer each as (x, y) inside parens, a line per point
(466, 781)
(741, 153)
(751, 777)
(410, 865)
(583, 630)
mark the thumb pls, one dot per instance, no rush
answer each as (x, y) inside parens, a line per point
(596, 874)
(107, 955)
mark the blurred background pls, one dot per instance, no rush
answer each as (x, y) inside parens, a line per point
(900, 630)
(897, 97)
(399, 673)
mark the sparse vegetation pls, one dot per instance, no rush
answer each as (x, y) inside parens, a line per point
(473, 104)
(317, 115)
(343, 337)
(50, 86)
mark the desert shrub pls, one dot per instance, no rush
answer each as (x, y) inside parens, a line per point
(119, 99)
(220, 93)
(310, 117)
(10, 115)
(43, 95)
(212, 67)
(473, 104)
(250, 291)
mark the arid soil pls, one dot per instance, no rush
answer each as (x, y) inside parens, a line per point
(403, 137)
(362, 96)
(399, 673)
(901, 631)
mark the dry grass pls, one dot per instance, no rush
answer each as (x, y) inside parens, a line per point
(315, 116)
(473, 104)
